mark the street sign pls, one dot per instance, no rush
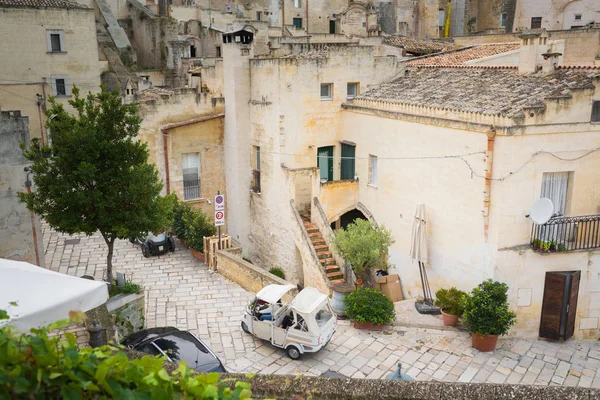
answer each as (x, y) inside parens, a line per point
(219, 202)
(219, 218)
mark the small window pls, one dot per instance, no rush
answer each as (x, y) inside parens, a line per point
(326, 91)
(190, 163)
(577, 17)
(372, 170)
(297, 4)
(441, 17)
(192, 51)
(364, 25)
(219, 51)
(555, 186)
(60, 85)
(503, 20)
(256, 170)
(596, 111)
(536, 22)
(297, 23)
(56, 41)
(258, 15)
(353, 90)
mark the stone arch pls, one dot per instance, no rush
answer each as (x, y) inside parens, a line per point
(360, 207)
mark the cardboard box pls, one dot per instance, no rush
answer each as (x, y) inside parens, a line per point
(378, 281)
(391, 288)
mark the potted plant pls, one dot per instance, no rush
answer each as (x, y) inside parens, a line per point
(451, 301)
(486, 314)
(369, 308)
(197, 226)
(364, 247)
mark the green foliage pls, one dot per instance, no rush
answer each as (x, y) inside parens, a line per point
(128, 288)
(191, 225)
(486, 309)
(451, 301)
(277, 271)
(363, 245)
(95, 175)
(35, 366)
(369, 305)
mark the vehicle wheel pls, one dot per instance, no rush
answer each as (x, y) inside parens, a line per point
(293, 352)
(245, 327)
(145, 251)
(171, 244)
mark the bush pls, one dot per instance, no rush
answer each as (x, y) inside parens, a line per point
(486, 309)
(451, 301)
(363, 245)
(35, 366)
(277, 272)
(128, 288)
(369, 305)
(192, 225)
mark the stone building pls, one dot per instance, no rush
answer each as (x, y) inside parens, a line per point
(58, 46)
(556, 14)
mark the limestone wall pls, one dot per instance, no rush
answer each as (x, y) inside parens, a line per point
(556, 14)
(128, 313)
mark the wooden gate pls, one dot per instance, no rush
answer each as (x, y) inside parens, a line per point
(559, 307)
(211, 246)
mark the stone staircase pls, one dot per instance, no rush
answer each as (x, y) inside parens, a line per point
(333, 271)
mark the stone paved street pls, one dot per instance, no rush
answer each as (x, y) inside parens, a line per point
(181, 292)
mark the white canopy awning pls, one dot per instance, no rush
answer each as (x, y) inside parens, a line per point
(308, 300)
(418, 243)
(44, 296)
(272, 293)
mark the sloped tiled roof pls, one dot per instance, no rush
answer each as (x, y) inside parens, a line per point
(459, 57)
(40, 4)
(417, 46)
(490, 91)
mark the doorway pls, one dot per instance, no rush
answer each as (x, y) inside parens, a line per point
(332, 27)
(559, 307)
(325, 162)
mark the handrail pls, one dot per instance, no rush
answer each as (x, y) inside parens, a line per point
(566, 234)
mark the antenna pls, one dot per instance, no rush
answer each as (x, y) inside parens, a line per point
(542, 211)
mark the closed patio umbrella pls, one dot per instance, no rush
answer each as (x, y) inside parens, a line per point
(44, 296)
(418, 253)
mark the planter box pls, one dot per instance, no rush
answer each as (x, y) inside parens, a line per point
(197, 255)
(368, 325)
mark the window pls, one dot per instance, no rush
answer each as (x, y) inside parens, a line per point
(60, 85)
(218, 48)
(555, 186)
(536, 22)
(364, 25)
(577, 17)
(347, 165)
(258, 15)
(192, 51)
(372, 170)
(596, 111)
(297, 3)
(256, 170)
(326, 91)
(190, 163)
(503, 20)
(352, 90)
(297, 23)
(325, 163)
(441, 17)
(56, 41)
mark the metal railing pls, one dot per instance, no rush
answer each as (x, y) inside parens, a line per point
(566, 234)
(256, 181)
(191, 189)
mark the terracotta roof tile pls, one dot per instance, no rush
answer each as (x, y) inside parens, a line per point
(418, 46)
(460, 56)
(488, 91)
(40, 4)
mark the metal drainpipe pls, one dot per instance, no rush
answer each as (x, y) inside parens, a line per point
(489, 162)
(166, 151)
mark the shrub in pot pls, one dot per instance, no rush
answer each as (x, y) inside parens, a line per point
(451, 301)
(486, 314)
(369, 308)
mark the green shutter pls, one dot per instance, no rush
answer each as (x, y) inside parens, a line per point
(348, 154)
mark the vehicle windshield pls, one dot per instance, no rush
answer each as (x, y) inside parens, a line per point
(323, 316)
(183, 346)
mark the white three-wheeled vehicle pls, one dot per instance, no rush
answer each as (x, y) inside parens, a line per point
(303, 326)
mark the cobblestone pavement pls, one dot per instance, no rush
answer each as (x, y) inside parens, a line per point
(181, 292)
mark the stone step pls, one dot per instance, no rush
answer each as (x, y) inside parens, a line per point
(328, 261)
(332, 268)
(324, 254)
(321, 247)
(315, 235)
(335, 275)
(318, 242)
(334, 281)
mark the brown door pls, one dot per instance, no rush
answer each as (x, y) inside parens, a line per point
(559, 306)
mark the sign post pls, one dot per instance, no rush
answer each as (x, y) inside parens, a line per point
(219, 213)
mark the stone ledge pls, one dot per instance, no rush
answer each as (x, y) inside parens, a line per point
(120, 300)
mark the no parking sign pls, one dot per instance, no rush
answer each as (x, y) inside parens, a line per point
(219, 210)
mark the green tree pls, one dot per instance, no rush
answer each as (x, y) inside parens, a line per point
(364, 246)
(95, 175)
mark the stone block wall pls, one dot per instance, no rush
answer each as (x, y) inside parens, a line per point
(128, 313)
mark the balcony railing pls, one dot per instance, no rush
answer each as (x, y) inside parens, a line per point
(191, 189)
(566, 234)
(256, 181)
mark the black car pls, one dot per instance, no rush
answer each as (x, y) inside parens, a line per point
(155, 244)
(176, 345)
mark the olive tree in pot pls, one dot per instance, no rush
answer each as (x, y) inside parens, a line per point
(486, 314)
(451, 301)
(369, 308)
(364, 247)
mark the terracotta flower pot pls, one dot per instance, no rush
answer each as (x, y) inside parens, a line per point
(197, 255)
(359, 282)
(368, 325)
(449, 319)
(484, 343)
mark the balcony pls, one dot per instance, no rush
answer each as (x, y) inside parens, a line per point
(564, 234)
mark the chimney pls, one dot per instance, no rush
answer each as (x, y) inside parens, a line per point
(533, 45)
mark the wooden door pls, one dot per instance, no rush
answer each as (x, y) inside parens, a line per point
(559, 306)
(348, 159)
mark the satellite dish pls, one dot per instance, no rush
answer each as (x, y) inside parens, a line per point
(542, 211)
